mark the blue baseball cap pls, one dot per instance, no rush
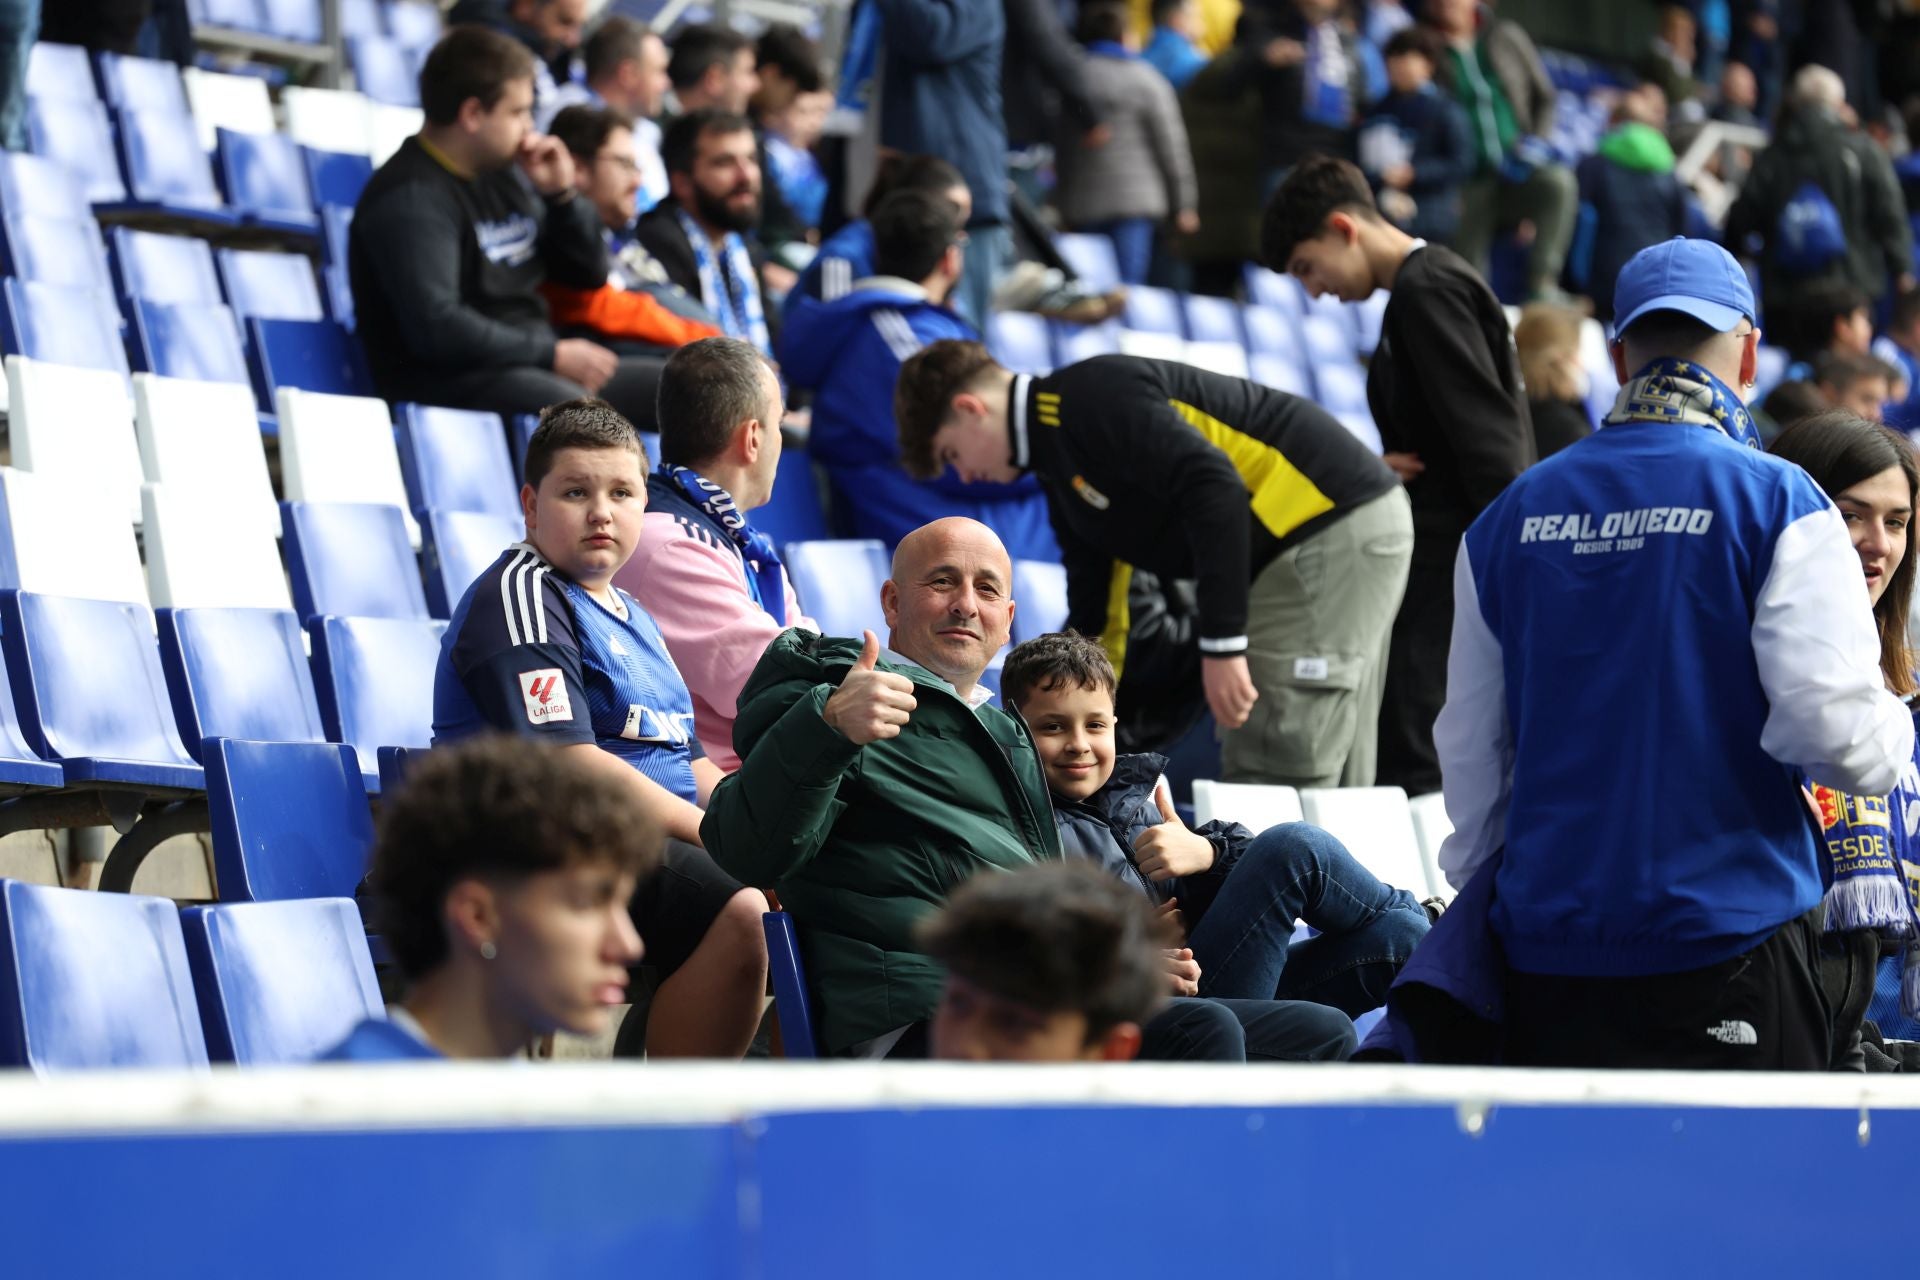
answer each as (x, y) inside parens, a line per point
(1695, 277)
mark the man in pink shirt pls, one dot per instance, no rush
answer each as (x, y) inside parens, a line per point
(714, 585)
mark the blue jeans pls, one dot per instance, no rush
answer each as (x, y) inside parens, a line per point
(1132, 246)
(1367, 929)
(989, 253)
(1189, 1030)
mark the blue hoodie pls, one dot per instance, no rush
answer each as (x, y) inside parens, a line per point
(845, 256)
(849, 352)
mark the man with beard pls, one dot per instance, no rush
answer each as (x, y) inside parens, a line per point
(696, 233)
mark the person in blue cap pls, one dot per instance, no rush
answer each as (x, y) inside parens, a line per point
(1653, 630)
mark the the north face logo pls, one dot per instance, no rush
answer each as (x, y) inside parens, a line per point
(545, 694)
(1734, 1032)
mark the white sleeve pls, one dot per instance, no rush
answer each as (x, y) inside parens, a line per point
(1472, 736)
(1819, 661)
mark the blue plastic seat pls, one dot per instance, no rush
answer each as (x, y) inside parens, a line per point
(414, 25)
(61, 326)
(791, 1002)
(336, 177)
(336, 223)
(238, 673)
(239, 15)
(55, 251)
(60, 72)
(361, 18)
(78, 135)
(838, 583)
(1151, 310)
(1073, 343)
(1368, 317)
(166, 169)
(297, 20)
(188, 340)
(34, 186)
(1040, 592)
(1341, 388)
(1327, 340)
(1019, 342)
(310, 355)
(279, 983)
(1270, 331)
(143, 84)
(163, 268)
(86, 679)
(1212, 319)
(456, 460)
(20, 769)
(266, 181)
(91, 980)
(1092, 258)
(1271, 289)
(375, 681)
(456, 548)
(383, 71)
(290, 819)
(267, 285)
(351, 558)
(1281, 372)
(793, 513)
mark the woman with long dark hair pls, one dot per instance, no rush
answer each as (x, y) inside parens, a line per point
(1873, 477)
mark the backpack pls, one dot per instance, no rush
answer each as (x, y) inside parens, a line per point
(1809, 237)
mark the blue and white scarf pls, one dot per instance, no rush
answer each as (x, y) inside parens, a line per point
(1328, 82)
(733, 298)
(1670, 390)
(766, 578)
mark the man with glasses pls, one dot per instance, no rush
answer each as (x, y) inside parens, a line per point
(1656, 631)
(849, 352)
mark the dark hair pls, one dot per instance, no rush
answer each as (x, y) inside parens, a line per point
(1789, 402)
(470, 62)
(1159, 10)
(1061, 937)
(1842, 373)
(698, 50)
(682, 141)
(708, 388)
(1667, 333)
(1318, 187)
(619, 39)
(1906, 310)
(1825, 305)
(1839, 450)
(495, 807)
(923, 397)
(912, 231)
(578, 424)
(583, 130)
(910, 173)
(1101, 20)
(1417, 40)
(787, 49)
(1046, 663)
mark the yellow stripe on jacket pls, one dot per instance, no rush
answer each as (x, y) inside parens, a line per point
(1283, 497)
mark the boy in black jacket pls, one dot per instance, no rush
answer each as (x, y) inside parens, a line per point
(1446, 391)
(1239, 893)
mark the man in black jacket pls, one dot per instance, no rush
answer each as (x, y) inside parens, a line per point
(1298, 536)
(454, 235)
(1444, 387)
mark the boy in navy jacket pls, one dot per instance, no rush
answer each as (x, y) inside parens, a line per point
(1416, 147)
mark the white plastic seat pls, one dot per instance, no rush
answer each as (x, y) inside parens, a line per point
(328, 119)
(1229, 358)
(1254, 806)
(1431, 827)
(76, 423)
(340, 449)
(1153, 346)
(388, 126)
(220, 101)
(202, 439)
(196, 558)
(55, 550)
(1376, 826)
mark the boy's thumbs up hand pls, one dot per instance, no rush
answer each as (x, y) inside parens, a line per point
(1168, 850)
(870, 704)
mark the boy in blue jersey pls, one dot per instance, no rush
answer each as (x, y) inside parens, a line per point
(1654, 629)
(544, 645)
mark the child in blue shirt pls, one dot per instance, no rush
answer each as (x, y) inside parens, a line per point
(1172, 51)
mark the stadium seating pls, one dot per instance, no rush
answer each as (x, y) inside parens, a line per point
(327, 120)
(838, 583)
(1213, 319)
(1282, 373)
(1226, 358)
(195, 561)
(1270, 331)
(374, 677)
(352, 559)
(143, 84)
(1377, 828)
(791, 1002)
(57, 251)
(1367, 318)
(336, 223)
(392, 126)
(1253, 806)
(794, 512)
(220, 101)
(1092, 259)
(192, 341)
(341, 449)
(336, 177)
(1153, 346)
(43, 548)
(1431, 827)
(238, 673)
(1342, 387)
(1151, 310)
(1039, 597)
(90, 980)
(163, 268)
(297, 20)
(290, 820)
(1019, 341)
(279, 982)
(60, 72)
(457, 547)
(264, 284)
(78, 136)
(1270, 289)
(306, 355)
(34, 186)
(76, 424)
(382, 71)
(265, 179)
(1073, 343)
(202, 440)
(456, 460)
(77, 327)
(167, 171)
(1327, 339)
(414, 24)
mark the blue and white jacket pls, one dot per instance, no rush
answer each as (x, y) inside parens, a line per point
(1652, 630)
(845, 256)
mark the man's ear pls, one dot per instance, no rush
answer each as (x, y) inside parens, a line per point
(1120, 1044)
(748, 440)
(1618, 350)
(890, 603)
(471, 113)
(1750, 359)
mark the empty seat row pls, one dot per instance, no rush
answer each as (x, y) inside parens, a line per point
(1399, 841)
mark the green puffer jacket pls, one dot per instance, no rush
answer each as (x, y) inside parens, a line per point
(861, 843)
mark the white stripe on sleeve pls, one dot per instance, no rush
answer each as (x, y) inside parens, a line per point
(1472, 737)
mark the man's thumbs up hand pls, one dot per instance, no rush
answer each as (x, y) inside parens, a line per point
(870, 704)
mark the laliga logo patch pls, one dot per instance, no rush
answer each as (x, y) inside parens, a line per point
(545, 694)
(1090, 495)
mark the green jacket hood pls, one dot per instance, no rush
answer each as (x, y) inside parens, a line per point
(1639, 147)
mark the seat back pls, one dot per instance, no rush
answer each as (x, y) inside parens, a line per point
(1431, 827)
(194, 341)
(1252, 805)
(60, 251)
(166, 165)
(238, 673)
(220, 101)
(1212, 319)
(390, 126)
(457, 547)
(456, 460)
(341, 449)
(194, 558)
(838, 582)
(414, 24)
(1377, 828)
(143, 84)
(290, 819)
(794, 512)
(1271, 289)
(164, 268)
(1368, 317)
(791, 1001)
(78, 137)
(1226, 358)
(76, 424)
(1020, 342)
(86, 680)
(279, 983)
(74, 327)
(43, 548)
(297, 20)
(1153, 346)
(203, 439)
(32, 185)
(1327, 340)
(92, 980)
(270, 285)
(336, 225)
(60, 71)
(1151, 310)
(1271, 331)
(307, 355)
(1073, 343)
(1039, 597)
(1092, 258)
(1282, 373)
(329, 121)
(337, 177)
(266, 179)
(382, 71)
(1341, 387)
(352, 559)
(375, 681)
